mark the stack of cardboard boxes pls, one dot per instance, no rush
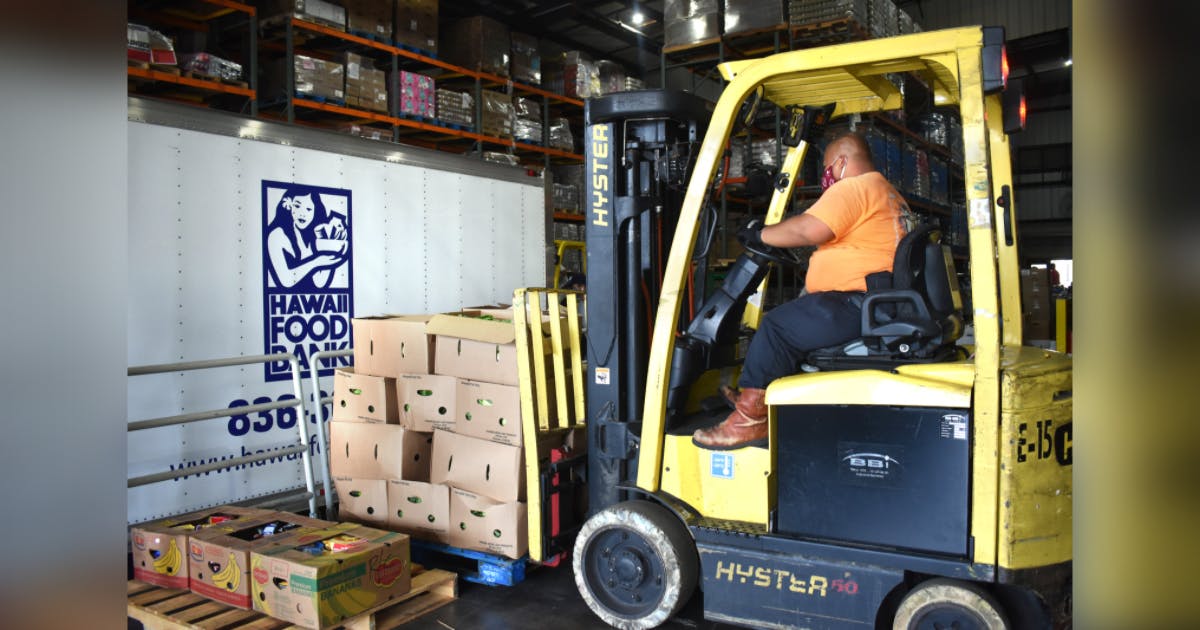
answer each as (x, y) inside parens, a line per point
(427, 435)
(371, 441)
(366, 87)
(302, 570)
(373, 17)
(417, 24)
(479, 43)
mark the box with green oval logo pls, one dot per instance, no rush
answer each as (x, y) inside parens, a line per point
(331, 575)
(479, 523)
(427, 401)
(489, 411)
(359, 397)
(362, 500)
(418, 508)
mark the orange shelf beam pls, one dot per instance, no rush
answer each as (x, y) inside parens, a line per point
(166, 77)
(567, 216)
(236, 6)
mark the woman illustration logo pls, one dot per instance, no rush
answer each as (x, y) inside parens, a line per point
(305, 244)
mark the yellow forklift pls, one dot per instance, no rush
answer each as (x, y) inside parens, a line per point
(909, 481)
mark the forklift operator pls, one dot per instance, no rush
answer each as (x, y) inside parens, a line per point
(856, 225)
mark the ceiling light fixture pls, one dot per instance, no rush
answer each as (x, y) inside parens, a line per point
(637, 18)
(1068, 63)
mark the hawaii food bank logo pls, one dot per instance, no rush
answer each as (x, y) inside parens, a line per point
(307, 273)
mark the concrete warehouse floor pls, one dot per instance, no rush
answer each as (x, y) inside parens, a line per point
(546, 599)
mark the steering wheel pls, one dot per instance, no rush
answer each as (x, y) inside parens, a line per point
(777, 255)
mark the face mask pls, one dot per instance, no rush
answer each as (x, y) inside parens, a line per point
(827, 178)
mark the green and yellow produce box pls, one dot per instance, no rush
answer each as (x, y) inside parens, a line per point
(328, 576)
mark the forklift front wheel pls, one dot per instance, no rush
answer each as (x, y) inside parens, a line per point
(944, 603)
(635, 564)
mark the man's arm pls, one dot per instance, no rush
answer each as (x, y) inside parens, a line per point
(797, 231)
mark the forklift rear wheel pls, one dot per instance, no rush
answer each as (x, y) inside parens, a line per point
(942, 603)
(635, 564)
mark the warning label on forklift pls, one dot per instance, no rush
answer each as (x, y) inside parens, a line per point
(602, 376)
(954, 426)
(722, 466)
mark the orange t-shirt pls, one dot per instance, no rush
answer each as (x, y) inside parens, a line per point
(866, 215)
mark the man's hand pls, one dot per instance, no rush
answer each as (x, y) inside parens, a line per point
(750, 236)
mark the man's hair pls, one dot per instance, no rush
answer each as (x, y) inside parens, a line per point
(859, 142)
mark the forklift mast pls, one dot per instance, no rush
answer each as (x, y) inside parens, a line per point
(639, 151)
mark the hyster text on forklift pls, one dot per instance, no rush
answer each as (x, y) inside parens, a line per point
(900, 486)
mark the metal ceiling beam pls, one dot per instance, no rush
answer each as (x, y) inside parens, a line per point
(594, 20)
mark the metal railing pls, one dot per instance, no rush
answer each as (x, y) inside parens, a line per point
(301, 425)
(319, 405)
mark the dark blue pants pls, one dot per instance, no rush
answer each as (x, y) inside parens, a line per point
(790, 331)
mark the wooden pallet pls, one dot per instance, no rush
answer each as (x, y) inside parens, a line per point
(178, 609)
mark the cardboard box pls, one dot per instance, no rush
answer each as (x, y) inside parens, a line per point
(490, 526)
(370, 16)
(417, 24)
(419, 508)
(473, 348)
(366, 87)
(392, 345)
(494, 470)
(362, 500)
(316, 11)
(427, 401)
(489, 411)
(323, 589)
(378, 451)
(364, 398)
(160, 547)
(219, 556)
(413, 93)
(478, 43)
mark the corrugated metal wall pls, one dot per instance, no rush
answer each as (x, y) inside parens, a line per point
(1019, 17)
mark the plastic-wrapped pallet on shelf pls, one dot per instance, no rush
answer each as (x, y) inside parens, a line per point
(935, 128)
(877, 141)
(634, 83)
(501, 158)
(883, 20)
(526, 62)
(479, 43)
(566, 197)
(366, 87)
(373, 17)
(893, 161)
(497, 119)
(690, 22)
(417, 94)
(456, 107)
(210, 66)
(314, 78)
(581, 76)
(560, 134)
(802, 12)
(955, 136)
(763, 152)
(417, 24)
(746, 16)
(315, 11)
(527, 124)
(611, 75)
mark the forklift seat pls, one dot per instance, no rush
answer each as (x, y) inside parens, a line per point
(912, 314)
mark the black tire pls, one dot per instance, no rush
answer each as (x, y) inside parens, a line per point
(635, 565)
(945, 603)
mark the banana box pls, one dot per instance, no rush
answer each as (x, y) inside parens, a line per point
(331, 575)
(219, 557)
(160, 547)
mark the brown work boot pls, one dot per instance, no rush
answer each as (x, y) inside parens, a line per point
(746, 426)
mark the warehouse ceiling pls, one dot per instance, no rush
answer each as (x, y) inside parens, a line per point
(628, 31)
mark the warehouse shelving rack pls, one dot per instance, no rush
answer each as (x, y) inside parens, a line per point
(292, 35)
